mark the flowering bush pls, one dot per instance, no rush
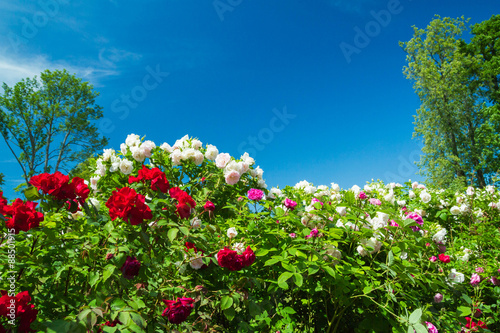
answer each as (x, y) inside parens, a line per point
(197, 231)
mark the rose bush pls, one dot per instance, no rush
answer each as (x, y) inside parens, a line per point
(197, 231)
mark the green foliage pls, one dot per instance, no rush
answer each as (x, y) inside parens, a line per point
(336, 262)
(47, 123)
(459, 116)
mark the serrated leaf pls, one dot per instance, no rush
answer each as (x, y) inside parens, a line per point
(108, 271)
(420, 328)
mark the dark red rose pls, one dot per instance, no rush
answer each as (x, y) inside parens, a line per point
(80, 189)
(185, 202)
(130, 268)
(444, 258)
(209, 206)
(25, 313)
(230, 259)
(178, 311)
(248, 257)
(50, 183)
(109, 324)
(23, 215)
(156, 176)
(128, 205)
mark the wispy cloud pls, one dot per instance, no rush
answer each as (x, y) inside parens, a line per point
(13, 70)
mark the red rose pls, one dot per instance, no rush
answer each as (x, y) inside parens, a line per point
(230, 259)
(156, 176)
(49, 183)
(80, 189)
(3, 203)
(24, 311)
(209, 206)
(248, 257)
(471, 323)
(128, 205)
(178, 311)
(185, 202)
(444, 258)
(23, 215)
(130, 268)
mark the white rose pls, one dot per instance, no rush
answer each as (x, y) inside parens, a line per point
(196, 144)
(383, 216)
(389, 197)
(182, 142)
(166, 147)
(232, 166)
(401, 203)
(176, 157)
(258, 172)
(133, 140)
(341, 210)
(456, 277)
(335, 187)
(196, 223)
(440, 236)
(301, 184)
(94, 202)
(126, 166)
(339, 224)
(93, 182)
(261, 183)
(232, 178)
(490, 189)
(147, 146)
(426, 197)
(188, 154)
(247, 159)
(455, 210)
(222, 159)
(137, 153)
(198, 158)
(197, 262)
(243, 166)
(411, 194)
(211, 152)
(107, 154)
(275, 192)
(356, 189)
(123, 149)
(414, 185)
(310, 189)
(231, 232)
(470, 191)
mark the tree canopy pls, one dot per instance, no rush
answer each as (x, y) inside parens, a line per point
(47, 123)
(457, 83)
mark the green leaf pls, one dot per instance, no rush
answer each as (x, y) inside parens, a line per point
(226, 302)
(284, 277)
(184, 230)
(108, 271)
(229, 313)
(467, 298)
(289, 310)
(31, 193)
(464, 311)
(271, 261)
(415, 316)
(93, 278)
(420, 328)
(299, 280)
(390, 258)
(172, 233)
(330, 271)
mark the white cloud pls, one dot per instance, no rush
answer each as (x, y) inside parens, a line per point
(12, 70)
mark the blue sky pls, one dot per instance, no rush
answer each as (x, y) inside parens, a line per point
(269, 77)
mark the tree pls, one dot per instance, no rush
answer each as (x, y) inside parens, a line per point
(47, 123)
(457, 124)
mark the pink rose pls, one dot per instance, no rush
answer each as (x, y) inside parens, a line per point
(431, 327)
(374, 201)
(433, 258)
(475, 279)
(438, 298)
(362, 195)
(255, 194)
(232, 178)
